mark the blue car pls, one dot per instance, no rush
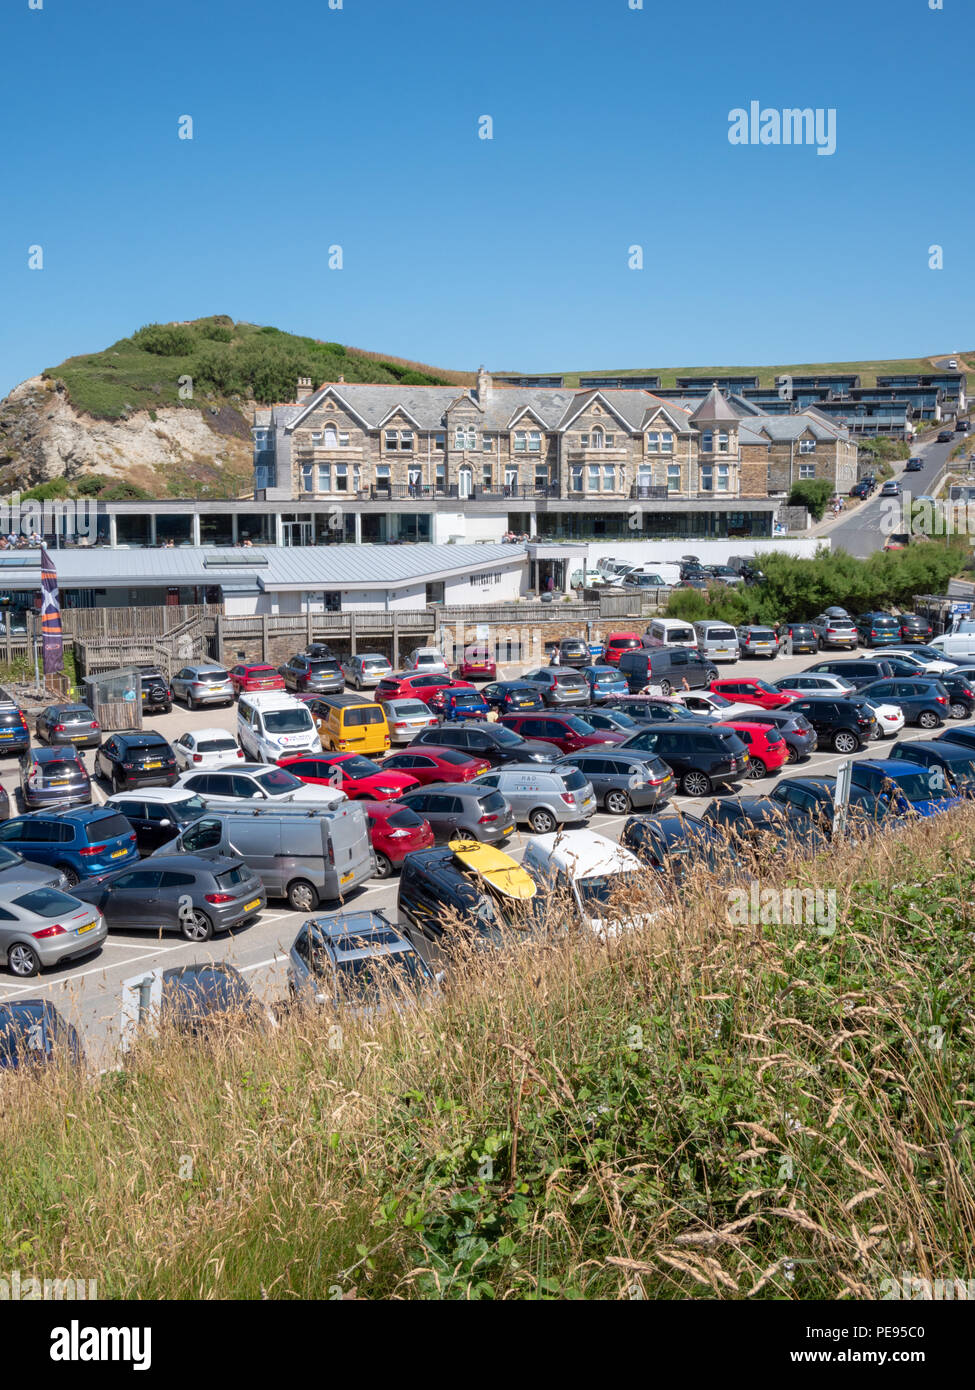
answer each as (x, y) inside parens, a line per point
(32, 1030)
(81, 843)
(468, 704)
(604, 681)
(909, 787)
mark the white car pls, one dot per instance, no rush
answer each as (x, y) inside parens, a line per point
(925, 665)
(703, 702)
(819, 683)
(250, 784)
(205, 748)
(890, 718)
(424, 660)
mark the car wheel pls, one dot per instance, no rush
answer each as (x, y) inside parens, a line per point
(958, 711)
(618, 802)
(928, 719)
(190, 702)
(665, 687)
(696, 783)
(23, 960)
(845, 742)
(756, 769)
(542, 821)
(792, 755)
(384, 868)
(196, 928)
(70, 875)
(302, 897)
(878, 733)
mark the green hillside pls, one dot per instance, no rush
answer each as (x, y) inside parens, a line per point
(766, 375)
(224, 359)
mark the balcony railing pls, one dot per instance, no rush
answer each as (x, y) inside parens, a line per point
(645, 492)
(393, 492)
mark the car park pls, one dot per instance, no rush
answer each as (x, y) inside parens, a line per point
(568, 732)
(621, 783)
(139, 759)
(34, 1033)
(604, 681)
(717, 641)
(78, 843)
(205, 684)
(758, 641)
(425, 660)
(767, 750)
(477, 662)
(463, 810)
(666, 668)
(313, 675)
(42, 927)
(701, 756)
(878, 629)
(453, 907)
(835, 628)
(58, 725)
(366, 670)
(748, 690)
(14, 729)
(559, 687)
(924, 702)
(157, 814)
(593, 872)
(428, 765)
(306, 854)
(406, 717)
(394, 832)
(955, 761)
(845, 723)
(541, 796)
(157, 694)
(194, 895)
(512, 695)
(53, 777)
(205, 748)
(492, 742)
(359, 777)
(356, 959)
(252, 783)
(252, 676)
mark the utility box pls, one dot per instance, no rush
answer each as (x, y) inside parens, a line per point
(115, 697)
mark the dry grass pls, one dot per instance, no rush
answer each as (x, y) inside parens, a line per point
(698, 1109)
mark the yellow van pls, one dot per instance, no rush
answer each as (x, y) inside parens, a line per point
(350, 724)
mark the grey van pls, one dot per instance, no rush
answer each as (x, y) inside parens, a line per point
(307, 855)
(717, 641)
(670, 668)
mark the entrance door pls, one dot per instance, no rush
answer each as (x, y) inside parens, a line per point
(297, 533)
(466, 481)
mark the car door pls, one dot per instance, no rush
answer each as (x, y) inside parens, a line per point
(132, 900)
(159, 828)
(134, 811)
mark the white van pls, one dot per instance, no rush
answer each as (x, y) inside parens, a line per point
(669, 573)
(957, 646)
(588, 867)
(671, 631)
(717, 641)
(272, 724)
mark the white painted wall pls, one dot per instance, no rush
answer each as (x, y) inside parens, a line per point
(468, 528)
(709, 552)
(508, 585)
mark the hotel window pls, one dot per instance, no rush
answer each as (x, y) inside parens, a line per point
(667, 442)
(324, 477)
(596, 439)
(534, 441)
(707, 442)
(807, 470)
(609, 478)
(406, 441)
(440, 441)
(392, 440)
(341, 477)
(511, 476)
(331, 440)
(644, 475)
(486, 475)
(541, 476)
(673, 477)
(807, 446)
(343, 440)
(584, 441)
(356, 476)
(592, 483)
(722, 442)
(383, 475)
(307, 477)
(521, 441)
(441, 475)
(610, 440)
(316, 436)
(707, 477)
(577, 477)
(486, 444)
(653, 442)
(465, 437)
(723, 471)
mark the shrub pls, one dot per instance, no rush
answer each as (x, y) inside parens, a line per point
(813, 494)
(165, 339)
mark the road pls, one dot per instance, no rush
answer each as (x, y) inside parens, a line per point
(88, 992)
(864, 532)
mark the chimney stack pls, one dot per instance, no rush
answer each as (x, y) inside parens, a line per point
(304, 388)
(484, 385)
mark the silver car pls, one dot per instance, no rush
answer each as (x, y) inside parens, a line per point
(355, 958)
(559, 686)
(44, 926)
(541, 796)
(465, 809)
(758, 641)
(207, 684)
(406, 718)
(622, 783)
(367, 670)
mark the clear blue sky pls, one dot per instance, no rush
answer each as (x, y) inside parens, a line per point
(359, 127)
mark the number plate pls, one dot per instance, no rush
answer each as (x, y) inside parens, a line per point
(89, 926)
(148, 765)
(249, 907)
(508, 830)
(76, 738)
(117, 853)
(345, 877)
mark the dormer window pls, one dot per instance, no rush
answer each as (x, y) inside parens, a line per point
(653, 441)
(331, 440)
(807, 446)
(666, 442)
(596, 439)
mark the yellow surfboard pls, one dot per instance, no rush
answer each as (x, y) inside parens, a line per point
(497, 869)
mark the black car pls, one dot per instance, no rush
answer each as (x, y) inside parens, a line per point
(157, 695)
(32, 1032)
(700, 756)
(914, 465)
(846, 723)
(814, 796)
(964, 738)
(572, 651)
(614, 721)
(480, 739)
(509, 696)
(678, 846)
(914, 628)
(945, 436)
(450, 909)
(955, 759)
(198, 998)
(858, 671)
(961, 695)
(802, 636)
(670, 668)
(136, 759)
(14, 729)
(762, 824)
(53, 777)
(924, 700)
(862, 489)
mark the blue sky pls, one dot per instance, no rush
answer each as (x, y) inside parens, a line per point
(358, 127)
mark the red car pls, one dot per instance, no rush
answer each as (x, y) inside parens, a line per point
(394, 832)
(419, 684)
(477, 662)
(568, 732)
(437, 701)
(255, 677)
(767, 749)
(751, 692)
(438, 765)
(351, 773)
(619, 642)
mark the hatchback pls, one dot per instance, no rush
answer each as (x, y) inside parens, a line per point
(604, 681)
(961, 695)
(461, 809)
(14, 730)
(453, 705)
(558, 687)
(426, 660)
(767, 750)
(904, 786)
(891, 488)
(45, 926)
(136, 760)
(569, 732)
(619, 642)
(255, 676)
(508, 696)
(954, 759)
(622, 784)
(205, 748)
(53, 777)
(356, 959)
(427, 765)
(394, 832)
(914, 628)
(801, 636)
(196, 895)
(33, 1032)
(79, 843)
(363, 672)
(493, 742)
(74, 724)
(832, 630)
(924, 702)
(758, 641)
(477, 661)
(405, 718)
(573, 651)
(543, 797)
(207, 684)
(351, 773)
(760, 823)
(914, 465)
(314, 675)
(751, 692)
(879, 629)
(416, 685)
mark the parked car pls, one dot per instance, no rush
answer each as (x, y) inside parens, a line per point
(195, 895)
(272, 725)
(613, 720)
(652, 709)
(914, 628)
(623, 783)
(559, 687)
(573, 651)
(205, 748)
(767, 750)
(425, 660)
(418, 685)
(406, 717)
(710, 706)
(493, 742)
(513, 695)
(42, 927)
(890, 718)
(821, 683)
(857, 671)
(748, 690)
(925, 702)
(78, 843)
(34, 1033)
(846, 723)
(451, 705)
(58, 725)
(477, 662)
(878, 629)
(568, 732)
(891, 488)
(814, 796)
(427, 765)
(934, 659)
(956, 761)
(762, 825)
(541, 796)
(835, 629)
(619, 642)
(358, 960)
(717, 641)
(701, 756)
(366, 670)
(452, 906)
(394, 832)
(53, 777)
(250, 676)
(463, 809)
(802, 637)
(604, 681)
(140, 759)
(756, 641)
(904, 785)
(666, 668)
(200, 999)
(157, 814)
(14, 868)
(206, 684)
(254, 783)
(677, 846)
(799, 734)
(14, 729)
(861, 490)
(157, 694)
(316, 675)
(961, 696)
(359, 777)
(963, 737)
(595, 873)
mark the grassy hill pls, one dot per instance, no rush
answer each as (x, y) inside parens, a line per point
(224, 359)
(766, 375)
